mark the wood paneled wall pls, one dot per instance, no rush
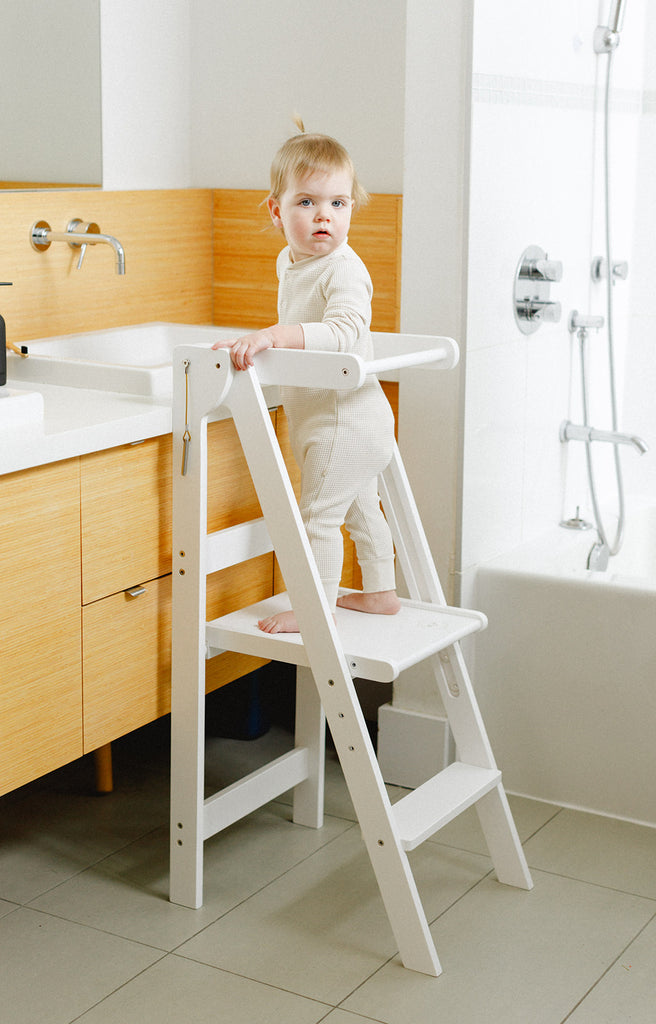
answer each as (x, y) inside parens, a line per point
(191, 256)
(167, 237)
(246, 245)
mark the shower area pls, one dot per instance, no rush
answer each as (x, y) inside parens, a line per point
(565, 571)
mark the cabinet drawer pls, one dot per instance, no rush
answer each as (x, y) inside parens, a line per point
(126, 507)
(126, 662)
(126, 516)
(127, 649)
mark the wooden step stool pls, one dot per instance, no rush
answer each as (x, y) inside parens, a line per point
(328, 653)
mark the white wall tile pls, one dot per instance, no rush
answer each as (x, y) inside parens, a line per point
(536, 178)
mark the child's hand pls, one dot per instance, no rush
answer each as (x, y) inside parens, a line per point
(243, 349)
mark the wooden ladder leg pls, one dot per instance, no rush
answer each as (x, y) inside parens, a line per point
(502, 839)
(375, 815)
(187, 805)
(187, 822)
(473, 747)
(333, 681)
(311, 734)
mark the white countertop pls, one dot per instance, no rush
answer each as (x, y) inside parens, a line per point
(76, 422)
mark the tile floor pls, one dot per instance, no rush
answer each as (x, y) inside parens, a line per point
(293, 930)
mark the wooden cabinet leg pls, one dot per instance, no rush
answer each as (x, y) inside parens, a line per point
(103, 765)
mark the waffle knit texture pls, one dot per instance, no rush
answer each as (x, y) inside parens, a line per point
(341, 440)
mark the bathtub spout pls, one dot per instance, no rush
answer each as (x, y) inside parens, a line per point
(572, 432)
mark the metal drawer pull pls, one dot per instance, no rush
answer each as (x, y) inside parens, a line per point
(135, 591)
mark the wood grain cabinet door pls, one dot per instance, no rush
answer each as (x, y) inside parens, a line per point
(126, 516)
(40, 668)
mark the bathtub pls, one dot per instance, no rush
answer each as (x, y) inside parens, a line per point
(566, 672)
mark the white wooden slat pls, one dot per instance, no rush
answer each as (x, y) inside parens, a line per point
(236, 544)
(254, 790)
(429, 807)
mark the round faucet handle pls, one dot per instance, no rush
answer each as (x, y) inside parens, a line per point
(542, 270)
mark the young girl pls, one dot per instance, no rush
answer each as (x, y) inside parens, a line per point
(341, 440)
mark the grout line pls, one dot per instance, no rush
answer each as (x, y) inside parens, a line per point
(117, 989)
(261, 889)
(596, 885)
(609, 968)
(255, 981)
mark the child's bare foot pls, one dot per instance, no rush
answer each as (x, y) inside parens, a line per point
(283, 622)
(381, 602)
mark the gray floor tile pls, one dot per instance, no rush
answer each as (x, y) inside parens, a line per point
(127, 894)
(52, 970)
(49, 831)
(180, 990)
(605, 851)
(510, 956)
(7, 908)
(321, 929)
(626, 992)
(293, 923)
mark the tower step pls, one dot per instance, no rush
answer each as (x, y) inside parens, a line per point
(424, 811)
(377, 647)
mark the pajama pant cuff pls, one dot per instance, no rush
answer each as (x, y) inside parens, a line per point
(378, 574)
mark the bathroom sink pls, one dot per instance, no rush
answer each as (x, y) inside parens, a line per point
(134, 360)
(20, 410)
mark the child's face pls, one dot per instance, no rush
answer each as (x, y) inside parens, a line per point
(314, 212)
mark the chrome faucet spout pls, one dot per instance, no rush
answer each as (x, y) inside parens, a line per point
(78, 236)
(573, 432)
(640, 446)
(90, 239)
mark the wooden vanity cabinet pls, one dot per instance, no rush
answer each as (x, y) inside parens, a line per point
(40, 678)
(95, 531)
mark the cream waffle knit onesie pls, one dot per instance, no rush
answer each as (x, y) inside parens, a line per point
(341, 440)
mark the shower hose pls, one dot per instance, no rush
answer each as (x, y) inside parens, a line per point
(614, 547)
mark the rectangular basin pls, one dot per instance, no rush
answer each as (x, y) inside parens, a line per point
(133, 360)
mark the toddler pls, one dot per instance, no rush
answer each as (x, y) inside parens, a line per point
(341, 440)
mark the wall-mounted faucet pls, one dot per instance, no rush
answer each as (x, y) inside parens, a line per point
(574, 432)
(78, 234)
(580, 324)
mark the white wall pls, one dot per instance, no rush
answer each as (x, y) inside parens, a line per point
(255, 64)
(640, 381)
(145, 64)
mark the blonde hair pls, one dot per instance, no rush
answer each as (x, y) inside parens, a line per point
(305, 153)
